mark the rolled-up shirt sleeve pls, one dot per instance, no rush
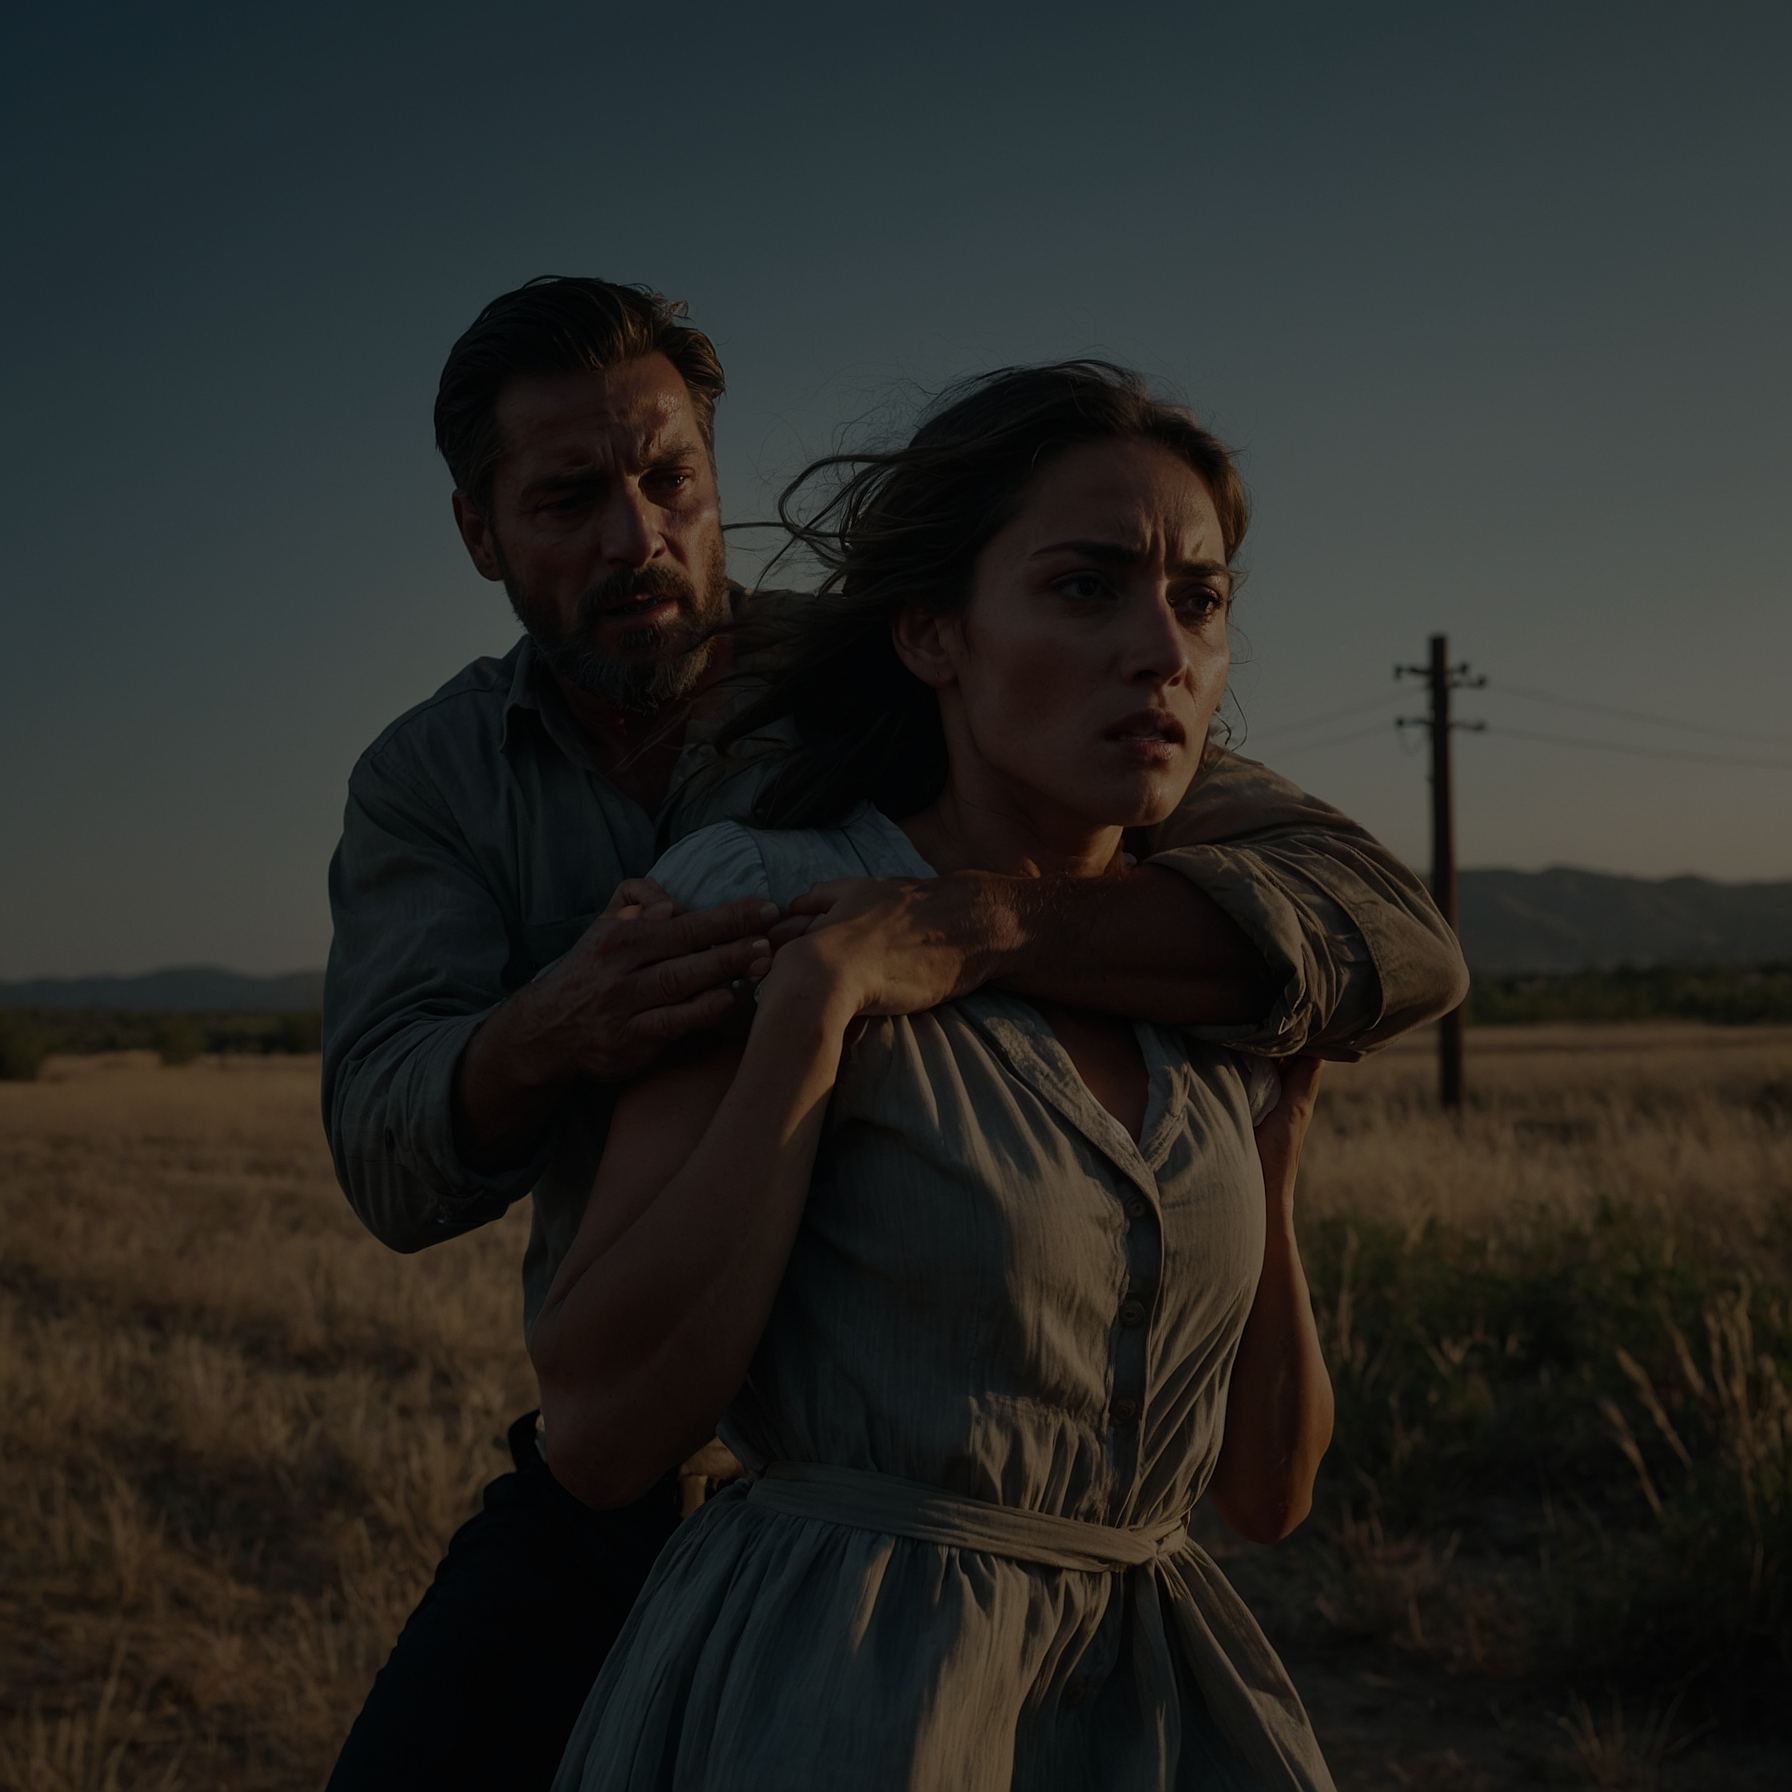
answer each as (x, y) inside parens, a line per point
(416, 962)
(1356, 947)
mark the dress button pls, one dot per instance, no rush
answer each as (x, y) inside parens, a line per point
(1126, 1409)
(1137, 1208)
(1132, 1312)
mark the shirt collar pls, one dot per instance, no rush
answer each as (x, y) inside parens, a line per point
(533, 692)
(525, 675)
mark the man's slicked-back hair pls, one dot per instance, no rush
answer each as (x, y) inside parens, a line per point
(560, 324)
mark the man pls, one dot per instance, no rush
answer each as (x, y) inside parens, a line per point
(500, 965)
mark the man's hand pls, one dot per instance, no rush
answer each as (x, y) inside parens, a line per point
(635, 896)
(904, 944)
(640, 977)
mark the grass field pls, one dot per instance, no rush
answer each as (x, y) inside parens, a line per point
(1552, 1544)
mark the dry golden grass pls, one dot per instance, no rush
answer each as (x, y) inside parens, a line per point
(1688, 1125)
(236, 1432)
(1558, 1510)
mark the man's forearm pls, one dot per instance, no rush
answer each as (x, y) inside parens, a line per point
(1359, 949)
(507, 1086)
(388, 1110)
(1144, 943)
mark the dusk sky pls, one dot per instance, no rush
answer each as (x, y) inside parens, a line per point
(1495, 301)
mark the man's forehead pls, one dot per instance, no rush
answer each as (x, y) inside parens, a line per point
(633, 407)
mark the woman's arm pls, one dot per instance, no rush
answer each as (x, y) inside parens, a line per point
(653, 1318)
(1279, 1406)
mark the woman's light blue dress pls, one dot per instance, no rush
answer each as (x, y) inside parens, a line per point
(991, 1389)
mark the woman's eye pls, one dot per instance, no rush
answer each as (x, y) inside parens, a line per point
(1203, 601)
(1083, 587)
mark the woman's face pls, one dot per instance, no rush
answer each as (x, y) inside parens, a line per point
(1077, 685)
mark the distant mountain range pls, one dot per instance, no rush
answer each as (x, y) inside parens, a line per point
(1513, 923)
(1562, 919)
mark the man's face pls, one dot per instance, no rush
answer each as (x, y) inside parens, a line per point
(603, 523)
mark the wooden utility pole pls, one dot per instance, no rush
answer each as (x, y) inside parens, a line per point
(1443, 678)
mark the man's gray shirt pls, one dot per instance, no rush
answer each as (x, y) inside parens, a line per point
(480, 840)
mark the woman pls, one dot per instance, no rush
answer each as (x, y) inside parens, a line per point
(987, 1297)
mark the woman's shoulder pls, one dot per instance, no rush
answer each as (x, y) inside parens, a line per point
(714, 864)
(731, 859)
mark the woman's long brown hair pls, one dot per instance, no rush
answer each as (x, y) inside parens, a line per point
(901, 530)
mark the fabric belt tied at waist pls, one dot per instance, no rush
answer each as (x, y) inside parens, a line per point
(867, 1501)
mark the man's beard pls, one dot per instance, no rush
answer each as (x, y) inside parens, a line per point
(657, 664)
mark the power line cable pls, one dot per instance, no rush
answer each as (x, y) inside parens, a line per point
(1313, 746)
(1619, 746)
(1337, 715)
(1637, 715)
(1278, 742)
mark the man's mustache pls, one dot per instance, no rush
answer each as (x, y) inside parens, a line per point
(630, 585)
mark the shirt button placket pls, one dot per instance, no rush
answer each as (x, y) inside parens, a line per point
(1144, 1260)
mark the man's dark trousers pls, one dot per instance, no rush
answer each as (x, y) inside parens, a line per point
(488, 1676)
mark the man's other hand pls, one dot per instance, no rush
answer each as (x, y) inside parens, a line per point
(642, 976)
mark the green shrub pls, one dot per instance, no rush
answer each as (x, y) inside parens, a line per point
(1725, 995)
(296, 1033)
(1628, 1395)
(179, 1039)
(23, 1048)
(1706, 1430)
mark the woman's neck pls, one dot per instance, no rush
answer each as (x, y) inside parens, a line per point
(961, 833)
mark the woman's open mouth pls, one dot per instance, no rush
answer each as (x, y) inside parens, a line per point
(1148, 736)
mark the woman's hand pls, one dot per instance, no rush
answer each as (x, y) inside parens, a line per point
(1283, 1130)
(898, 945)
